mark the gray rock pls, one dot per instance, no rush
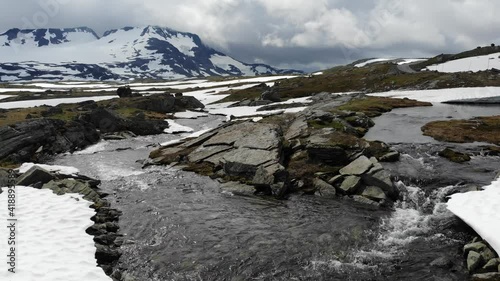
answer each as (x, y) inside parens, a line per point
(34, 175)
(248, 135)
(364, 200)
(487, 254)
(377, 167)
(297, 129)
(271, 95)
(19, 142)
(392, 156)
(65, 186)
(350, 185)
(374, 160)
(476, 246)
(244, 161)
(202, 152)
(442, 262)
(492, 265)
(237, 188)
(474, 261)
(266, 176)
(380, 179)
(357, 167)
(4, 178)
(492, 276)
(325, 190)
(374, 193)
(336, 179)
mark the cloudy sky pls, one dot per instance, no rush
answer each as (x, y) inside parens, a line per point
(302, 34)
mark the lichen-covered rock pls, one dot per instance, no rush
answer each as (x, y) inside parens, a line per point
(350, 185)
(392, 156)
(476, 246)
(374, 193)
(474, 261)
(324, 189)
(357, 167)
(492, 276)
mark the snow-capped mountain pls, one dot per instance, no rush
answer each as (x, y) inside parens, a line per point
(80, 54)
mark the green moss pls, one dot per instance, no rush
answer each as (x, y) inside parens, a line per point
(454, 156)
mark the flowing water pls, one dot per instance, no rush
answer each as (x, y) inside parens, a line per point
(181, 226)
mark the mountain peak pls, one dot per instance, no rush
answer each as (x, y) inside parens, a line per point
(150, 52)
(46, 36)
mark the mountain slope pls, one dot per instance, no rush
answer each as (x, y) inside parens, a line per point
(150, 52)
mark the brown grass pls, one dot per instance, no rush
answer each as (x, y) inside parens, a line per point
(481, 129)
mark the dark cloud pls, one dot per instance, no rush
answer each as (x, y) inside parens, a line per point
(293, 33)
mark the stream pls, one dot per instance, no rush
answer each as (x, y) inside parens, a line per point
(181, 226)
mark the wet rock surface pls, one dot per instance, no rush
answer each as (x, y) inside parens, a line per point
(293, 152)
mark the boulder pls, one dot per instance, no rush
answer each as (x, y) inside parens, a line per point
(269, 175)
(325, 189)
(392, 156)
(366, 201)
(442, 262)
(454, 156)
(357, 167)
(126, 92)
(336, 180)
(474, 261)
(491, 265)
(492, 276)
(374, 193)
(34, 175)
(350, 185)
(105, 120)
(380, 179)
(271, 95)
(476, 246)
(487, 254)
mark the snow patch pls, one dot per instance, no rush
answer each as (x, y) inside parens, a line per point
(479, 63)
(481, 211)
(51, 102)
(52, 242)
(442, 95)
(175, 128)
(64, 170)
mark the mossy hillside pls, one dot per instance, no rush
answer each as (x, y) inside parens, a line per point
(370, 79)
(480, 129)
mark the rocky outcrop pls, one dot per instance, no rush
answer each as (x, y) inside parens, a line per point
(126, 92)
(166, 103)
(317, 151)
(481, 260)
(36, 139)
(30, 140)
